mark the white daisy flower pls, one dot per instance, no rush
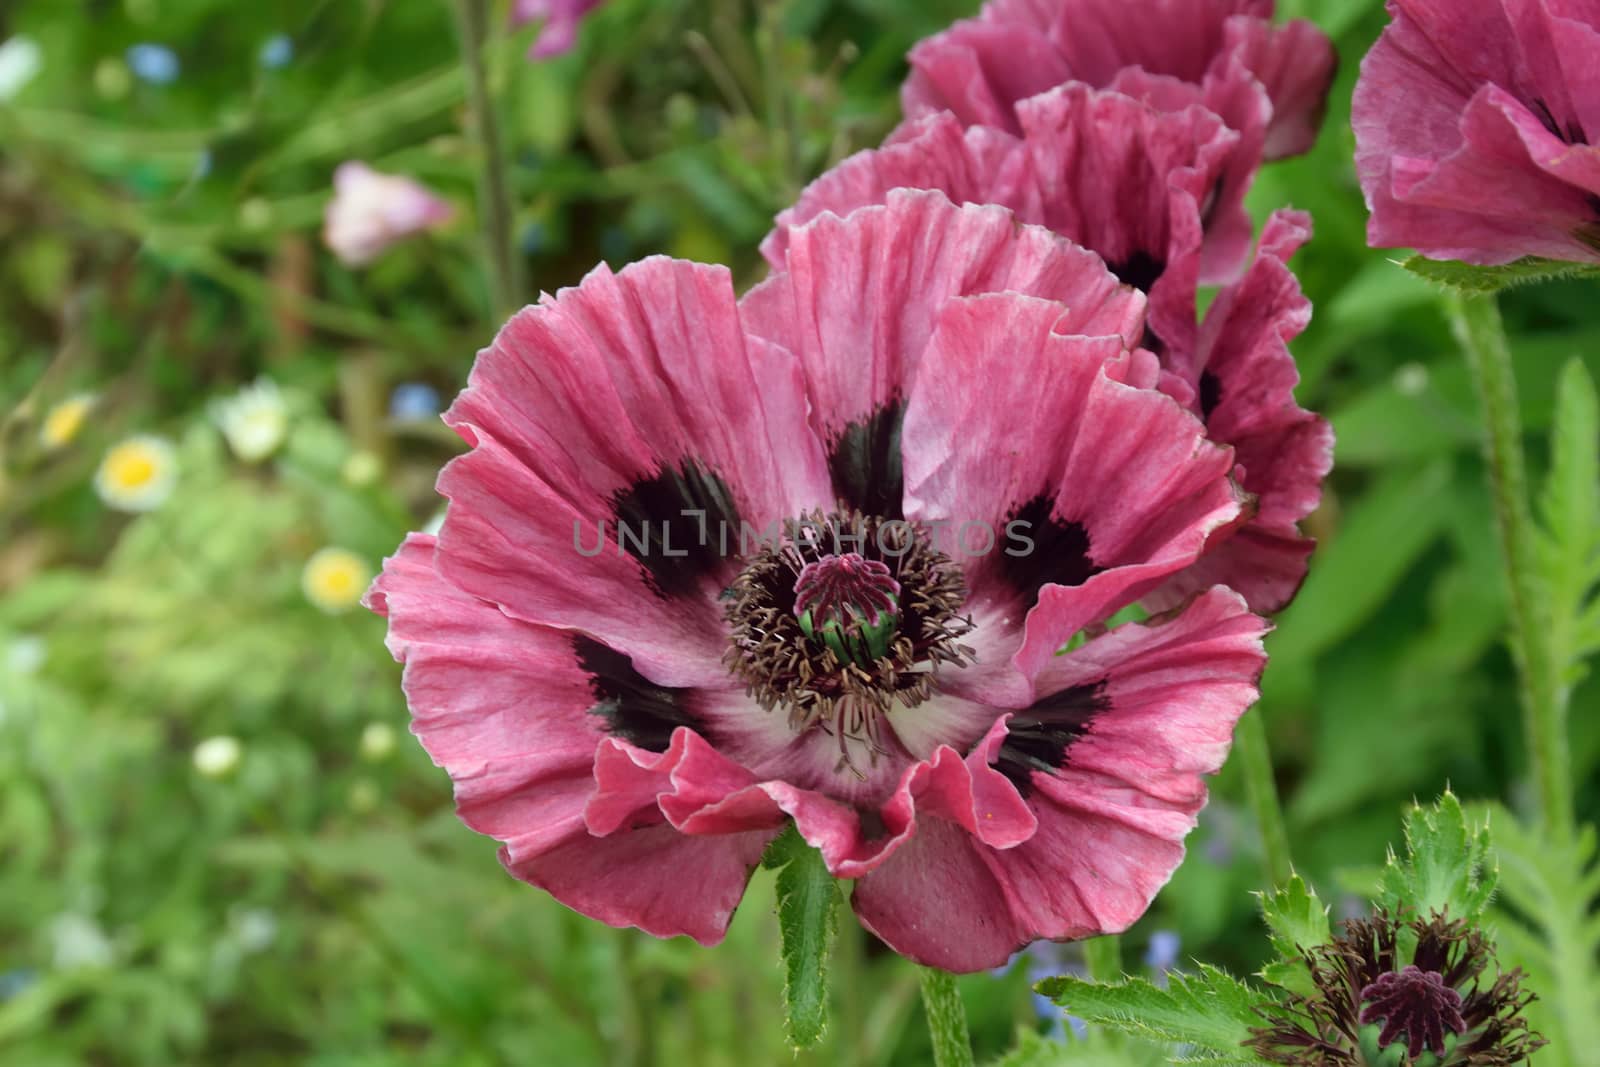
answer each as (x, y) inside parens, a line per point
(25, 655)
(20, 59)
(335, 579)
(79, 943)
(218, 757)
(137, 474)
(254, 420)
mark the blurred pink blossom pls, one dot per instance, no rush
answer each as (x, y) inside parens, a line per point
(561, 19)
(370, 211)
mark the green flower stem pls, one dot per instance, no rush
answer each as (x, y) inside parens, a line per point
(1478, 328)
(495, 208)
(1104, 957)
(1250, 738)
(947, 1019)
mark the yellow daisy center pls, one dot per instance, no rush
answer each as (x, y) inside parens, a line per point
(131, 466)
(335, 579)
(64, 421)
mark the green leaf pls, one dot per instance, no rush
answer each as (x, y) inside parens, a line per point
(1210, 1008)
(1569, 510)
(1549, 916)
(1379, 540)
(807, 919)
(1448, 867)
(1097, 1049)
(1466, 278)
(1430, 408)
(1297, 921)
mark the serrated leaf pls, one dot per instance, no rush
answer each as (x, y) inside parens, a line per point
(1448, 865)
(1297, 921)
(807, 919)
(1569, 510)
(1097, 1049)
(1291, 974)
(1467, 278)
(1549, 925)
(1210, 1009)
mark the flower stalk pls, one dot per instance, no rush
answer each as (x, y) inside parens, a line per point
(1255, 756)
(947, 1018)
(1481, 333)
(496, 211)
(1103, 956)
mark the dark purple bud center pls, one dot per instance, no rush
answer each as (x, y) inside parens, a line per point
(844, 588)
(1414, 1006)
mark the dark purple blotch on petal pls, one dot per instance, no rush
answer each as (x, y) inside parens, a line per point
(633, 707)
(1038, 737)
(1060, 553)
(864, 460)
(1140, 270)
(1210, 393)
(1572, 134)
(671, 524)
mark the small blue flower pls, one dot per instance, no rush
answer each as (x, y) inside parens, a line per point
(276, 51)
(1045, 959)
(534, 238)
(1220, 828)
(413, 401)
(155, 64)
(202, 164)
(14, 982)
(1218, 851)
(1161, 955)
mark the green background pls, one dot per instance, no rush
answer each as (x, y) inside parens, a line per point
(159, 246)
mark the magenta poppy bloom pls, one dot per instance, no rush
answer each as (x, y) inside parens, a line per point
(1158, 194)
(561, 20)
(1135, 185)
(950, 460)
(980, 68)
(1234, 369)
(1473, 129)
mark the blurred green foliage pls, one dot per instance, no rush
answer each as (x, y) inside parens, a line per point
(318, 905)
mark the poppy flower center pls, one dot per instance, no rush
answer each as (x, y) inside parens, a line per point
(848, 603)
(1414, 1006)
(841, 617)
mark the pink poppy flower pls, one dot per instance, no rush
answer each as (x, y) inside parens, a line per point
(1235, 371)
(1474, 126)
(1129, 183)
(370, 211)
(1157, 193)
(561, 21)
(980, 68)
(636, 715)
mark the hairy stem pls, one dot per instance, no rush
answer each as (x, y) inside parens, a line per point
(496, 210)
(1478, 328)
(1250, 738)
(947, 1019)
(1104, 958)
